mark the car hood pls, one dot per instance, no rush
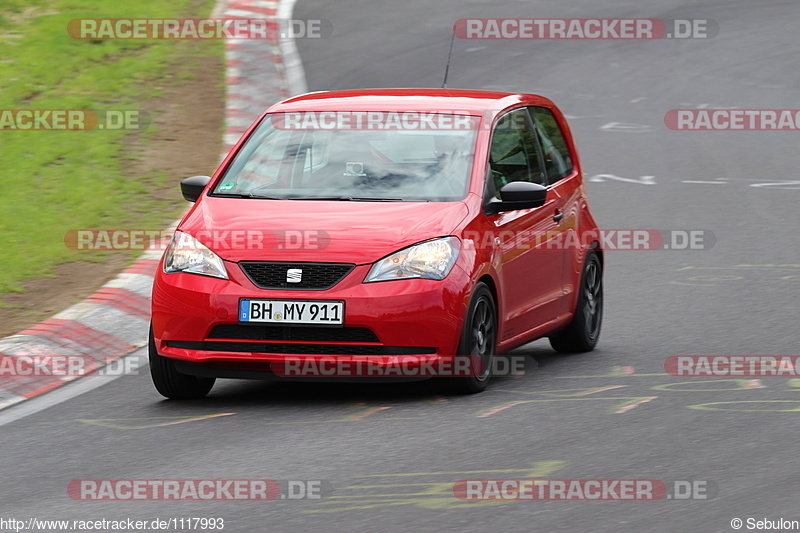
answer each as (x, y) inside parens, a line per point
(313, 230)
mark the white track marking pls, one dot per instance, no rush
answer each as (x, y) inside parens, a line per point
(292, 64)
(70, 390)
(621, 127)
(643, 180)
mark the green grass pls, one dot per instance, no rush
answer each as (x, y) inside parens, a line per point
(53, 181)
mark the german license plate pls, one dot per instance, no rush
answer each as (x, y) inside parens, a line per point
(320, 312)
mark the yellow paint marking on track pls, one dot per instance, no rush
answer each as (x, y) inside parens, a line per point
(127, 423)
(626, 408)
(441, 502)
(741, 384)
(437, 495)
(539, 469)
(712, 406)
(363, 414)
(603, 389)
(741, 267)
(628, 403)
(565, 393)
(613, 376)
(745, 267)
(437, 400)
(490, 412)
(616, 372)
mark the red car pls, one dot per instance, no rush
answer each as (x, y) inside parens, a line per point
(377, 226)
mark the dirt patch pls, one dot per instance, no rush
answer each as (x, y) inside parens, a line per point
(44, 297)
(189, 121)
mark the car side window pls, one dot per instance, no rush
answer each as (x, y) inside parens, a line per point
(554, 148)
(513, 155)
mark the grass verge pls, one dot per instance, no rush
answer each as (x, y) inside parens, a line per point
(55, 181)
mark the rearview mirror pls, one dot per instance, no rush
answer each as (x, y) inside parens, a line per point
(518, 195)
(192, 188)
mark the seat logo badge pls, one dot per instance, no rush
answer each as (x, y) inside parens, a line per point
(294, 275)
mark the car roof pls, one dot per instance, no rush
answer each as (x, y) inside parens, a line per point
(430, 100)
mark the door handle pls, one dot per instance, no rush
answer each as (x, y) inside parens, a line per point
(558, 216)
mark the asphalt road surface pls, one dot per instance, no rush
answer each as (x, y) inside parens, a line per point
(388, 455)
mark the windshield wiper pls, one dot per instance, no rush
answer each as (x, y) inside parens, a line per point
(328, 198)
(345, 198)
(245, 195)
(373, 199)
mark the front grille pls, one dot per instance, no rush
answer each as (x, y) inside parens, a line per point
(283, 333)
(315, 276)
(308, 349)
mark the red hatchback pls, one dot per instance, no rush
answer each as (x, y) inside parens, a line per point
(350, 233)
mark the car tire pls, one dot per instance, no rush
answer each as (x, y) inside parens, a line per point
(582, 333)
(478, 339)
(171, 383)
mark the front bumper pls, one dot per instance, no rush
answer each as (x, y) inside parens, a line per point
(417, 320)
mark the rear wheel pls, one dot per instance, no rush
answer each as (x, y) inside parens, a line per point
(171, 383)
(582, 333)
(478, 341)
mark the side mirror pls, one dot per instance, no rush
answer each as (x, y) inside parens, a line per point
(518, 195)
(192, 188)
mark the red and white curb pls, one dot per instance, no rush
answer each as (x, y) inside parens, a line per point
(109, 324)
(259, 73)
(114, 321)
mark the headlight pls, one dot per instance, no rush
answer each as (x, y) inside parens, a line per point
(187, 254)
(428, 260)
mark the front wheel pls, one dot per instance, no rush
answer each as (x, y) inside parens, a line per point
(171, 383)
(582, 333)
(478, 341)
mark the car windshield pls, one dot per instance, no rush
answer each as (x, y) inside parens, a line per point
(366, 156)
